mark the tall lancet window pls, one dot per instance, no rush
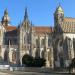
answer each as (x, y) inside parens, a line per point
(28, 38)
(49, 42)
(42, 42)
(69, 42)
(6, 56)
(14, 57)
(25, 39)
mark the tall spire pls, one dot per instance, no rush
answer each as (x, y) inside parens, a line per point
(26, 14)
(5, 18)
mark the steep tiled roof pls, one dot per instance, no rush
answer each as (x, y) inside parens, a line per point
(10, 28)
(43, 29)
(68, 25)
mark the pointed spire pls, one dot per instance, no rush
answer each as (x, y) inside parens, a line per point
(32, 24)
(26, 14)
(20, 23)
(5, 18)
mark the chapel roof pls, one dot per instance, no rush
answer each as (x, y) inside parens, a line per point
(41, 29)
(10, 28)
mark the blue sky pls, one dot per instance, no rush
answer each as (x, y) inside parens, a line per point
(40, 11)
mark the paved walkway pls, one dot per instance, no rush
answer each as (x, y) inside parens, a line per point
(2, 73)
(48, 72)
(30, 73)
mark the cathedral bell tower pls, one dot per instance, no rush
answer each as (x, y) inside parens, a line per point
(5, 19)
(58, 18)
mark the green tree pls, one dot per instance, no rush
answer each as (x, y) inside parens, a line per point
(30, 61)
(27, 60)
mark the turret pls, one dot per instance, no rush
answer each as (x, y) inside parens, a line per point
(5, 19)
(58, 18)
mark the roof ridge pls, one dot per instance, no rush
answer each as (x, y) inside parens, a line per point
(43, 26)
(70, 17)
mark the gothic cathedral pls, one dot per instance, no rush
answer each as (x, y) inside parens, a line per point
(55, 44)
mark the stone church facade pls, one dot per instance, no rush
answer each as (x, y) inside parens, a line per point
(55, 44)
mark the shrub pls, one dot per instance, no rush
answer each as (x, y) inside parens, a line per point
(29, 61)
(72, 65)
(39, 62)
